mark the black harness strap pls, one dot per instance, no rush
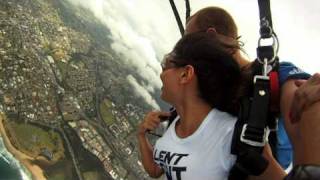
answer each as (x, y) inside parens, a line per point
(265, 18)
(256, 118)
(176, 14)
(254, 131)
(188, 9)
(251, 132)
(172, 117)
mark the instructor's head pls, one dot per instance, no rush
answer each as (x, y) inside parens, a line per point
(217, 21)
(212, 19)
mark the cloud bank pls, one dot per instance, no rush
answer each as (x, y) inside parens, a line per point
(142, 92)
(143, 30)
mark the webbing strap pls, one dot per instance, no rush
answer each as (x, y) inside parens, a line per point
(188, 9)
(251, 132)
(176, 14)
(252, 129)
(260, 105)
(265, 18)
(249, 148)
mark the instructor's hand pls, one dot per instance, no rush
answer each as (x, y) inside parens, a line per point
(307, 94)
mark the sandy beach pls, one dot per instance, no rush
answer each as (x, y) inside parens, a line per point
(36, 171)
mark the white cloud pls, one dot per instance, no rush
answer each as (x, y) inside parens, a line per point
(142, 92)
(144, 30)
(137, 34)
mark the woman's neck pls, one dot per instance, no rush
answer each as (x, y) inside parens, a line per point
(191, 113)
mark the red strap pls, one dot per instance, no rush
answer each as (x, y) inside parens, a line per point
(274, 91)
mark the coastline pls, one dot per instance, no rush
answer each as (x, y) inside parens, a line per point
(36, 171)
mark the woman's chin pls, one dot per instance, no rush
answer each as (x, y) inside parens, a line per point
(163, 97)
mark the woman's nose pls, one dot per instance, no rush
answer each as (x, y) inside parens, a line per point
(161, 75)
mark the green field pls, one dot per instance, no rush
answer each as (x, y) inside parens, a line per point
(91, 175)
(105, 109)
(31, 139)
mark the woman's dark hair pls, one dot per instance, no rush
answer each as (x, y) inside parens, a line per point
(219, 75)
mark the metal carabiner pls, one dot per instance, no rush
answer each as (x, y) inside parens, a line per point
(265, 67)
(275, 45)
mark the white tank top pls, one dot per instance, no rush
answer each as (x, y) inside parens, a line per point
(204, 155)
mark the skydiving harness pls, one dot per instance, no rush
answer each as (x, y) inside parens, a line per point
(257, 117)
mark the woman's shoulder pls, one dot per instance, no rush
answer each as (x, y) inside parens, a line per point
(223, 118)
(221, 124)
(225, 128)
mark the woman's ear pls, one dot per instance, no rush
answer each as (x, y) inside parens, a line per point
(187, 74)
(211, 30)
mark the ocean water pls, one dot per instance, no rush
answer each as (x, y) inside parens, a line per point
(10, 168)
(8, 172)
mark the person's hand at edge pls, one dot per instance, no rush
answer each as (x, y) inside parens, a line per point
(307, 94)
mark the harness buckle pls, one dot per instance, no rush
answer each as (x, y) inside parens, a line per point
(260, 77)
(246, 132)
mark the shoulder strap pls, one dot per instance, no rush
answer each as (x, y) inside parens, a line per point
(176, 14)
(172, 117)
(265, 18)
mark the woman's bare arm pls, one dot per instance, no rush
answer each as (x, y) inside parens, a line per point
(150, 122)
